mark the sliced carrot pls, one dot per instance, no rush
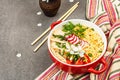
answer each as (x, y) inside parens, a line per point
(69, 61)
(87, 57)
(79, 62)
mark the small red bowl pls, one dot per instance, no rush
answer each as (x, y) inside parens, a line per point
(89, 67)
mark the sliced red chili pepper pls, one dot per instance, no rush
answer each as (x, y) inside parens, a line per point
(79, 62)
(87, 57)
(68, 61)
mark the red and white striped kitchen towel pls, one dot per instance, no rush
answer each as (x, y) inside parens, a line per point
(106, 14)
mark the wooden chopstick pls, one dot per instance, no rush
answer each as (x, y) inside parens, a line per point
(65, 15)
(40, 44)
(68, 11)
(37, 39)
(47, 36)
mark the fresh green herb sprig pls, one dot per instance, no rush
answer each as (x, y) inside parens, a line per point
(77, 29)
(61, 45)
(59, 36)
(68, 27)
(75, 57)
(58, 44)
(92, 29)
(100, 51)
(90, 54)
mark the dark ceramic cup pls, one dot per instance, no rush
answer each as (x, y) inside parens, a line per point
(50, 8)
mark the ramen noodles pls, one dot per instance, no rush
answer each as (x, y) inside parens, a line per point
(76, 44)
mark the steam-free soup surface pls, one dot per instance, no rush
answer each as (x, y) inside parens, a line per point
(76, 44)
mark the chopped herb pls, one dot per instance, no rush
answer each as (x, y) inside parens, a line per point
(90, 54)
(79, 25)
(64, 45)
(77, 29)
(65, 29)
(68, 27)
(59, 36)
(100, 51)
(68, 54)
(61, 45)
(71, 25)
(63, 52)
(75, 57)
(76, 44)
(58, 44)
(92, 29)
(68, 33)
(81, 35)
(60, 53)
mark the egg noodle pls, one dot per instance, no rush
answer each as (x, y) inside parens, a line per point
(76, 44)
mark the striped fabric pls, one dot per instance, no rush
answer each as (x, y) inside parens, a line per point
(108, 19)
(105, 14)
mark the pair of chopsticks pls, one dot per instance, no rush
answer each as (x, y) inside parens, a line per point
(64, 17)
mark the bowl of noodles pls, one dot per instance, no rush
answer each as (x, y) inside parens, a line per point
(77, 46)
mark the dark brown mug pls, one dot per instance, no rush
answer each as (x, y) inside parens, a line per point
(50, 8)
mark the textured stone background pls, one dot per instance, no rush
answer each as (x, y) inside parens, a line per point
(18, 28)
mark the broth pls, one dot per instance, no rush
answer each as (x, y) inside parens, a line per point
(76, 44)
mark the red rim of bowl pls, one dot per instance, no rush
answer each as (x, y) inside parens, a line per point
(81, 22)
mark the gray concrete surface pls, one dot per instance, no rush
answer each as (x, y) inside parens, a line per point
(18, 28)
